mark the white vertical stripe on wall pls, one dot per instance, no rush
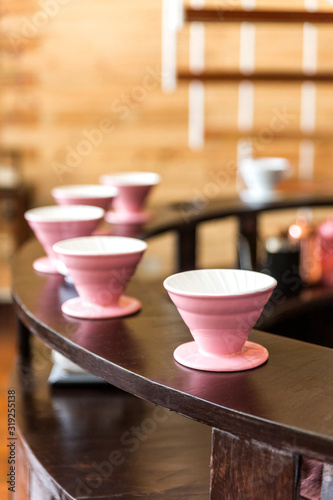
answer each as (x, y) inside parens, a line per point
(245, 106)
(170, 21)
(311, 5)
(308, 107)
(196, 115)
(244, 151)
(246, 66)
(306, 159)
(197, 4)
(245, 89)
(309, 60)
(197, 47)
(248, 4)
(247, 48)
(308, 95)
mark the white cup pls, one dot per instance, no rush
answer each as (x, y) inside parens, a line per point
(260, 175)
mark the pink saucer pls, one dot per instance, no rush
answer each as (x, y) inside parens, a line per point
(127, 217)
(45, 265)
(251, 356)
(79, 308)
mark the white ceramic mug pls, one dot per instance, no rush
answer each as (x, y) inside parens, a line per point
(260, 175)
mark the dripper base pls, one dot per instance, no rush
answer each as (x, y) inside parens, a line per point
(45, 265)
(251, 356)
(78, 308)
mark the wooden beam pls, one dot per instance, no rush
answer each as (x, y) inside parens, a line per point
(259, 76)
(267, 133)
(256, 16)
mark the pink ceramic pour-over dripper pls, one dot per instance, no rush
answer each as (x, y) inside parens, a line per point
(54, 223)
(85, 194)
(133, 189)
(220, 307)
(100, 267)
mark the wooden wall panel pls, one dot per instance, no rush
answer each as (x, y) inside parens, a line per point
(70, 67)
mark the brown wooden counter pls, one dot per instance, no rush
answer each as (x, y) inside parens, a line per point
(101, 443)
(264, 420)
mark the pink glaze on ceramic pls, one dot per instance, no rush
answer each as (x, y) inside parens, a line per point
(100, 267)
(85, 194)
(133, 189)
(220, 307)
(54, 223)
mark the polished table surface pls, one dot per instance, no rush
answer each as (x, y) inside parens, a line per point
(286, 402)
(101, 443)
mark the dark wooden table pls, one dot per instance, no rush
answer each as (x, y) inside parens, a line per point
(263, 421)
(101, 443)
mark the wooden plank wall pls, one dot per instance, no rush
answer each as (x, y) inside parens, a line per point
(81, 96)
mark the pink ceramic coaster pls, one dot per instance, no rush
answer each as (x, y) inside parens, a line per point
(78, 308)
(250, 356)
(45, 265)
(127, 217)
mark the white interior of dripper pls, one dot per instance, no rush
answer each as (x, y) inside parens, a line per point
(100, 245)
(131, 179)
(85, 191)
(218, 282)
(57, 213)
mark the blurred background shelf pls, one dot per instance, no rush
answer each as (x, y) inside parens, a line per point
(13, 203)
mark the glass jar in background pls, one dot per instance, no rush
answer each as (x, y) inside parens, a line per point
(325, 240)
(305, 232)
(282, 262)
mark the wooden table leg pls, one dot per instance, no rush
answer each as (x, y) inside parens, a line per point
(327, 484)
(186, 248)
(250, 470)
(24, 341)
(248, 229)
